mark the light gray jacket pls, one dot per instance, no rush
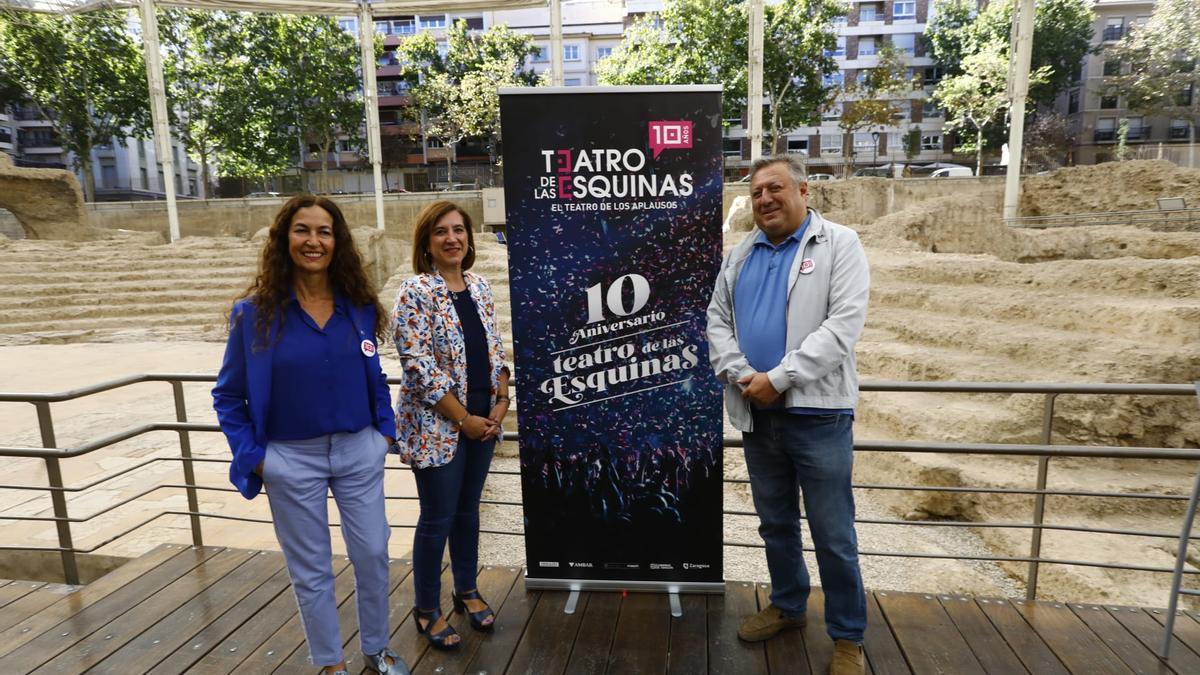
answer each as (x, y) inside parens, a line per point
(826, 309)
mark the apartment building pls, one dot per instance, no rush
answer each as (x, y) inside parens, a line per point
(124, 169)
(1095, 116)
(826, 147)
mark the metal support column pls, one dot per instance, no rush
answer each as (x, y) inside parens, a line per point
(1039, 502)
(189, 473)
(754, 99)
(366, 38)
(556, 44)
(1022, 52)
(58, 498)
(158, 113)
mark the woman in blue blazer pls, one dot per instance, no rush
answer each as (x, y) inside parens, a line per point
(304, 403)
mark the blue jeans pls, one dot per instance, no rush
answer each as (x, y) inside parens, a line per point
(449, 496)
(788, 455)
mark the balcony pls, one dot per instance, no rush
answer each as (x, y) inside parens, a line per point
(1104, 135)
(1177, 134)
(395, 101)
(1138, 134)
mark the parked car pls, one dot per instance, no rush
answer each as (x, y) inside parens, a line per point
(952, 172)
(256, 195)
(820, 176)
(457, 187)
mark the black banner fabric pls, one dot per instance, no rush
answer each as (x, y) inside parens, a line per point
(613, 201)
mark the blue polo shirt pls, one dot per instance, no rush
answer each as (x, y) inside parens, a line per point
(760, 304)
(318, 377)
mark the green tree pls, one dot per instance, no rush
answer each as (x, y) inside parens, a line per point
(1062, 33)
(869, 99)
(83, 72)
(706, 42)
(318, 82)
(459, 93)
(977, 97)
(206, 66)
(948, 33)
(1162, 64)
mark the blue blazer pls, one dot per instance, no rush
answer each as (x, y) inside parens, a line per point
(243, 391)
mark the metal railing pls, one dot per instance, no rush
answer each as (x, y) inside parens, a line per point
(1044, 452)
(1154, 218)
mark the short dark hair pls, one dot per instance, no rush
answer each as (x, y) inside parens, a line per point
(426, 219)
(792, 162)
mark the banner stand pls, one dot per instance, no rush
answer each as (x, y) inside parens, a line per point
(613, 218)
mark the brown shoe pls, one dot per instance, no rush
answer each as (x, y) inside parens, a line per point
(767, 623)
(847, 659)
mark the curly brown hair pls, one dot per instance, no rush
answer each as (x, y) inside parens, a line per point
(272, 287)
(426, 219)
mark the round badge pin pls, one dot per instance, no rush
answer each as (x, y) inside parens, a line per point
(806, 266)
(368, 348)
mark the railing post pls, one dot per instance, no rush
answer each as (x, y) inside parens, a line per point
(1039, 502)
(189, 474)
(58, 498)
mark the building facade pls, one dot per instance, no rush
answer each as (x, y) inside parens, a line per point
(1095, 116)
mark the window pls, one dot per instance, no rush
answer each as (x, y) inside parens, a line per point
(108, 175)
(1178, 130)
(841, 20)
(866, 46)
(1108, 102)
(732, 147)
(861, 76)
(433, 143)
(1112, 67)
(603, 52)
(1106, 130)
(905, 43)
(1114, 28)
(733, 122)
(435, 21)
(1073, 102)
(833, 113)
(539, 55)
(1135, 129)
(145, 179)
(349, 25)
(863, 141)
(930, 110)
(570, 52)
(931, 141)
(831, 144)
(840, 49)
(833, 79)
(797, 146)
(473, 22)
(869, 13)
(904, 10)
(443, 49)
(388, 58)
(383, 27)
(572, 82)
(933, 75)
(404, 26)
(5, 135)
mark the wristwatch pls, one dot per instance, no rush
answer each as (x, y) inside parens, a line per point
(458, 423)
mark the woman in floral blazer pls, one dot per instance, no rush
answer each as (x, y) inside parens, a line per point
(448, 413)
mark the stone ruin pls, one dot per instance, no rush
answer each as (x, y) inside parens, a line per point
(48, 203)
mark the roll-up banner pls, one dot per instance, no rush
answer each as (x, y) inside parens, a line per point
(613, 205)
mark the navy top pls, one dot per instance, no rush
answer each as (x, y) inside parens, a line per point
(760, 299)
(479, 373)
(318, 377)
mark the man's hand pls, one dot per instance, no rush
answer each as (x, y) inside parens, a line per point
(758, 389)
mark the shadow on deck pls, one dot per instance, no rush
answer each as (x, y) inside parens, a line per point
(213, 610)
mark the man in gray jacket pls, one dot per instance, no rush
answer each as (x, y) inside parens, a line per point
(788, 308)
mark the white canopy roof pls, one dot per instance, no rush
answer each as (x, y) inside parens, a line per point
(334, 7)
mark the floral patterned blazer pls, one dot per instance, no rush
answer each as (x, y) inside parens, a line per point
(433, 358)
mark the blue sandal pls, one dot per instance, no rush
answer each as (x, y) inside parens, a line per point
(438, 639)
(477, 618)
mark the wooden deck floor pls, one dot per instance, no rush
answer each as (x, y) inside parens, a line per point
(213, 610)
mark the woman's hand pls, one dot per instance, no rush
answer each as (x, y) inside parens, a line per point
(497, 415)
(478, 428)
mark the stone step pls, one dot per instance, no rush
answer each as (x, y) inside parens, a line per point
(1179, 278)
(884, 356)
(212, 311)
(1077, 355)
(1173, 321)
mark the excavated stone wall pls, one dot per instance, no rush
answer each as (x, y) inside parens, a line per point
(47, 203)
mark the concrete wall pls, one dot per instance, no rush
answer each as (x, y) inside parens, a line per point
(863, 200)
(244, 217)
